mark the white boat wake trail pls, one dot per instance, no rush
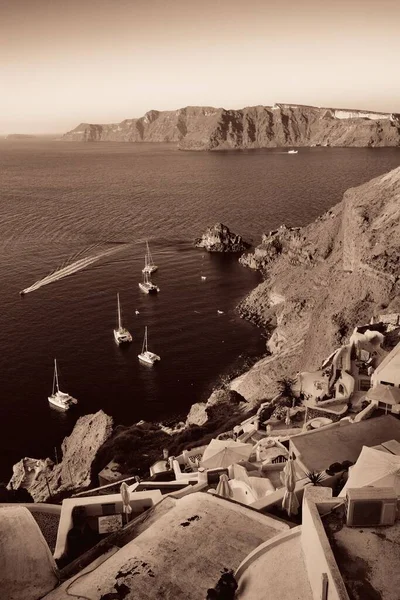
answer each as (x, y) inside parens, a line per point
(73, 267)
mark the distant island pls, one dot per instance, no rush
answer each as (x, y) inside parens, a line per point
(280, 125)
(19, 136)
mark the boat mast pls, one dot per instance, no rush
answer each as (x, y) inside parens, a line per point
(119, 313)
(149, 257)
(144, 347)
(55, 376)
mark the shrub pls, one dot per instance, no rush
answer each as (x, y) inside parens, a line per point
(315, 478)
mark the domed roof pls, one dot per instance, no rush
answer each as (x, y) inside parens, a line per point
(26, 564)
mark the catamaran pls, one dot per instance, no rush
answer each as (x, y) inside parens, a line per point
(146, 356)
(58, 398)
(147, 285)
(149, 266)
(121, 335)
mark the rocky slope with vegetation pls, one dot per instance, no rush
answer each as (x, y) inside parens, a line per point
(281, 125)
(322, 280)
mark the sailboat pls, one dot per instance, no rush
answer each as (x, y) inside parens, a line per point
(58, 398)
(149, 266)
(121, 335)
(147, 285)
(146, 356)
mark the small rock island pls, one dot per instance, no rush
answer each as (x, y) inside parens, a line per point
(220, 239)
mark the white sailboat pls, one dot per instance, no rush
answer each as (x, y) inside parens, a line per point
(147, 285)
(149, 266)
(146, 356)
(58, 398)
(121, 335)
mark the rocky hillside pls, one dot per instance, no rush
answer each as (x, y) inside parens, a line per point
(281, 125)
(322, 280)
(44, 480)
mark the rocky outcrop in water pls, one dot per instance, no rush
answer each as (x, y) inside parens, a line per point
(220, 239)
(281, 125)
(323, 280)
(43, 479)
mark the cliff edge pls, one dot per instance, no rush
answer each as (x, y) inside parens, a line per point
(322, 280)
(280, 125)
(43, 479)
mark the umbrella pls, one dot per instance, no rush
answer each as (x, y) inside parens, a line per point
(384, 393)
(290, 501)
(223, 453)
(223, 487)
(126, 499)
(375, 468)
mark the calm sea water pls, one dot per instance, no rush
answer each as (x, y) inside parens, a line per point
(60, 198)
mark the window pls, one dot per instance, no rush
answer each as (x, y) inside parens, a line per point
(341, 388)
(364, 385)
(108, 509)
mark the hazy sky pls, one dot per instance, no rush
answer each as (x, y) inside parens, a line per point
(67, 61)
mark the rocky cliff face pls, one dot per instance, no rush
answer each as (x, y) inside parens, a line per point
(154, 126)
(219, 238)
(322, 280)
(43, 479)
(281, 125)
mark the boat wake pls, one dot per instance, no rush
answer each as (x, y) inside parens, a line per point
(73, 267)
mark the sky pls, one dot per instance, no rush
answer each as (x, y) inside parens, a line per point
(63, 62)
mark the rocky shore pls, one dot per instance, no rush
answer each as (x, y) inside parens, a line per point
(320, 281)
(46, 481)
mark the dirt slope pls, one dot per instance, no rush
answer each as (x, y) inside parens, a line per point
(323, 280)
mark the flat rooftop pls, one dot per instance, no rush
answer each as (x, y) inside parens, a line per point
(368, 558)
(178, 555)
(321, 448)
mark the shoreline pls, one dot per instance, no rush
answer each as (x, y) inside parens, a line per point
(239, 364)
(301, 268)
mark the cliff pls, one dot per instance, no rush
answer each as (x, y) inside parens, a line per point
(322, 280)
(219, 238)
(43, 479)
(281, 125)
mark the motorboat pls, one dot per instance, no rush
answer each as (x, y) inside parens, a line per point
(58, 398)
(146, 356)
(121, 335)
(293, 151)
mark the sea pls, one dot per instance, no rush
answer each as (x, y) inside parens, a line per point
(61, 201)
